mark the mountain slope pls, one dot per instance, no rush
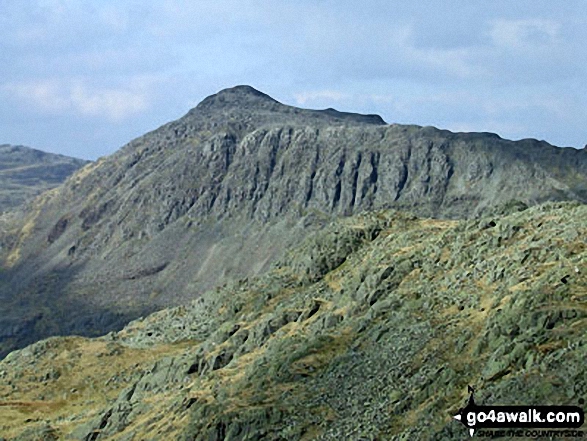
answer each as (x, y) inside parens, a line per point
(26, 172)
(370, 329)
(222, 192)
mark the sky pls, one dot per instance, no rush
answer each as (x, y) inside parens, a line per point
(83, 78)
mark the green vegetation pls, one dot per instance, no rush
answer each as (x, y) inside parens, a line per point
(369, 329)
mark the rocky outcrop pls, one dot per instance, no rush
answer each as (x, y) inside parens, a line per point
(371, 328)
(222, 192)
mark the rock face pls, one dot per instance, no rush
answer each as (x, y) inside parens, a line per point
(371, 328)
(26, 172)
(222, 192)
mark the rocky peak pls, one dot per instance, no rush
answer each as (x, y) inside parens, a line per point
(238, 96)
(252, 107)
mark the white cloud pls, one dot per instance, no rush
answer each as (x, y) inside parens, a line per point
(303, 98)
(438, 63)
(551, 105)
(451, 61)
(524, 34)
(502, 128)
(52, 96)
(44, 94)
(115, 104)
(116, 19)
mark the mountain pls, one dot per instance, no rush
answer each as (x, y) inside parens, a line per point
(372, 328)
(26, 172)
(222, 192)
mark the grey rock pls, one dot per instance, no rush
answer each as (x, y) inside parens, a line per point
(221, 193)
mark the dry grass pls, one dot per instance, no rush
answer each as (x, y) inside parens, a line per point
(84, 386)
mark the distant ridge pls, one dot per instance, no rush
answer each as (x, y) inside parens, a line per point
(26, 172)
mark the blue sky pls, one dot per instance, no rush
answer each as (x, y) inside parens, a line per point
(84, 77)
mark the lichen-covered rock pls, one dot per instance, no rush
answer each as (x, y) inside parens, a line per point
(380, 346)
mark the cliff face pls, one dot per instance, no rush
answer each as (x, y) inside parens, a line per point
(222, 192)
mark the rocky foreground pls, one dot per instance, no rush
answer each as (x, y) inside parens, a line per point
(370, 329)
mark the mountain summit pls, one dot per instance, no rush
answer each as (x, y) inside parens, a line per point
(240, 96)
(247, 104)
(220, 193)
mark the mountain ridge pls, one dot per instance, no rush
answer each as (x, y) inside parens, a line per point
(26, 172)
(245, 97)
(222, 192)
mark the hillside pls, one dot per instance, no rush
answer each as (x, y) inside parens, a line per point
(371, 328)
(220, 194)
(26, 172)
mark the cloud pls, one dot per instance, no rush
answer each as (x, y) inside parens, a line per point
(504, 128)
(511, 113)
(478, 64)
(302, 98)
(456, 62)
(43, 94)
(115, 104)
(525, 34)
(58, 97)
(115, 19)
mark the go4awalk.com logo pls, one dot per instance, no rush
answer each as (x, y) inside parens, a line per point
(517, 421)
